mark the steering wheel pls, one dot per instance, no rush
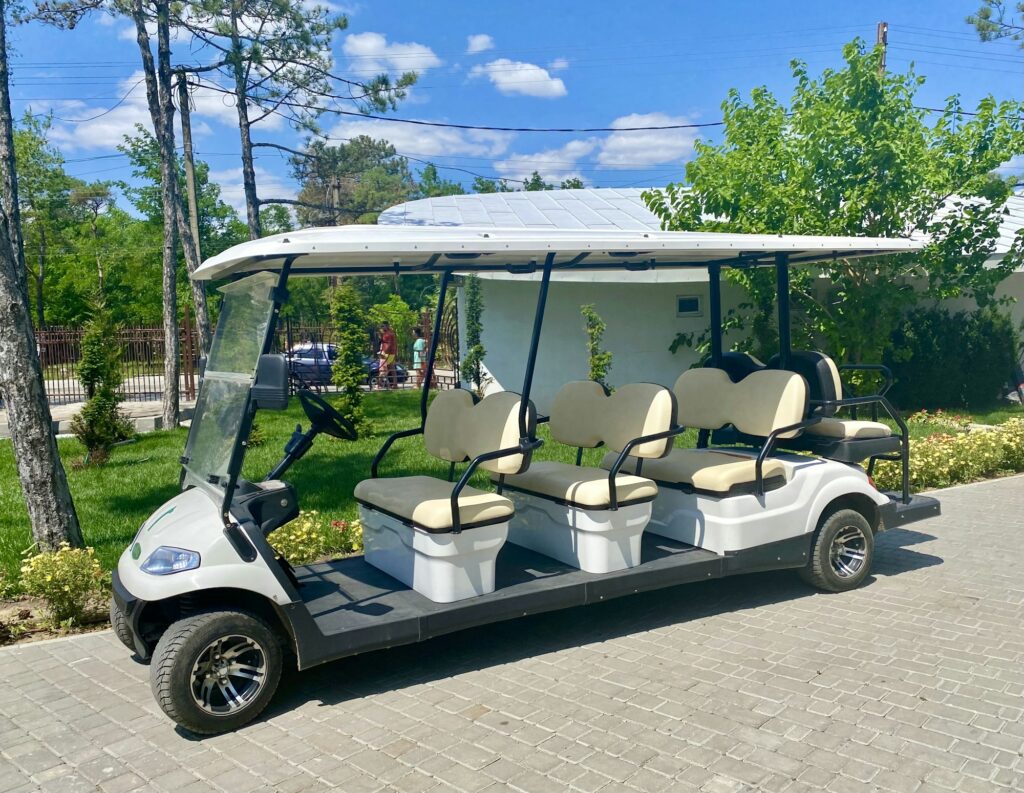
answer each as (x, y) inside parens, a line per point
(325, 418)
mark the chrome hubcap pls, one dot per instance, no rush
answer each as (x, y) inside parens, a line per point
(849, 551)
(228, 674)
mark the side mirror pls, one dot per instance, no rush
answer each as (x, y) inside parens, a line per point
(270, 391)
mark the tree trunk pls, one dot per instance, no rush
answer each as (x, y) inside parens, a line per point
(43, 481)
(161, 111)
(252, 205)
(189, 232)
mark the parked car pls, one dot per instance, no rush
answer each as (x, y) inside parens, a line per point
(311, 362)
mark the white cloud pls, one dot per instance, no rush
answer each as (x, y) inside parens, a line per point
(554, 165)
(268, 185)
(478, 42)
(516, 77)
(371, 53)
(649, 147)
(558, 65)
(417, 141)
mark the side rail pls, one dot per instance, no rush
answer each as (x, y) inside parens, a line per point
(613, 499)
(388, 444)
(880, 401)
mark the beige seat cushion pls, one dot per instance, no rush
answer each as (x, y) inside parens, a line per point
(759, 404)
(709, 470)
(849, 429)
(426, 501)
(581, 486)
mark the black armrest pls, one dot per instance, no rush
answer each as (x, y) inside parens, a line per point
(387, 445)
(770, 442)
(543, 419)
(525, 445)
(613, 500)
(871, 367)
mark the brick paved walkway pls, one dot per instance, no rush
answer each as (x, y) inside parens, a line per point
(914, 683)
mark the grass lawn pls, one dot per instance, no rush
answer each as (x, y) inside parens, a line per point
(115, 499)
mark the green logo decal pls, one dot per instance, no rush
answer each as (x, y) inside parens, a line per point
(136, 551)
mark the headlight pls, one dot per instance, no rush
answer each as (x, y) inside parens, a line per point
(166, 560)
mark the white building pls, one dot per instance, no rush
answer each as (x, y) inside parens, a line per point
(644, 311)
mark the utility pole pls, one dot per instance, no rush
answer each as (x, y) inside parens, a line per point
(190, 171)
(882, 38)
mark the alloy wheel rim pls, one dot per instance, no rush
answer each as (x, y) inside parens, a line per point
(228, 675)
(848, 553)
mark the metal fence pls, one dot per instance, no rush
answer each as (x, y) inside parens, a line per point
(142, 357)
(142, 360)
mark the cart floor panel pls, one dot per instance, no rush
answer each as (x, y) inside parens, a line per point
(359, 608)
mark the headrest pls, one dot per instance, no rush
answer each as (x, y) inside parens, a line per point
(821, 374)
(737, 365)
(584, 414)
(759, 404)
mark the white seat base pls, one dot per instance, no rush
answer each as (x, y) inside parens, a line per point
(593, 540)
(441, 567)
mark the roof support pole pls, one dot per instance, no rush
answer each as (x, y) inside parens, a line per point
(782, 297)
(531, 359)
(715, 299)
(428, 373)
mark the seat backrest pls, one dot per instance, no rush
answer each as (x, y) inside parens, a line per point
(584, 414)
(759, 404)
(459, 428)
(821, 374)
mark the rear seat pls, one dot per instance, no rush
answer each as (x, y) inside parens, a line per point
(592, 518)
(759, 404)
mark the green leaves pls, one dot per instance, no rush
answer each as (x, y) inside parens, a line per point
(852, 155)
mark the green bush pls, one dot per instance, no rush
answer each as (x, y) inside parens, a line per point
(943, 460)
(100, 424)
(308, 539)
(68, 579)
(599, 360)
(348, 372)
(948, 360)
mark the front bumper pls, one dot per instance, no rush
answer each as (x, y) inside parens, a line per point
(896, 513)
(132, 608)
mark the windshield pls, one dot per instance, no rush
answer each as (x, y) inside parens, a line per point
(224, 392)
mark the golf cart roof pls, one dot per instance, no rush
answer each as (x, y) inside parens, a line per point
(352, 250)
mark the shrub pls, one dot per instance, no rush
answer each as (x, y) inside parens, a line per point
(472, 369)
(402, 319)
(307, 539)
(348, 371)
(940, 418)
(599, 361)
(99, 425)
(944, 359)
(68, 579)
(942, 460)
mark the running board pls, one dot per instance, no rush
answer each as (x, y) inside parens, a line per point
(897, 513)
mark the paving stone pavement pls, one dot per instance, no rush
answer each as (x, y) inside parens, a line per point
(912, 684)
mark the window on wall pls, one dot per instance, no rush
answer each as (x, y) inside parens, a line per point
(689, 306)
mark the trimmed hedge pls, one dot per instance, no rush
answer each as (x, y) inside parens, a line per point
(946, 360)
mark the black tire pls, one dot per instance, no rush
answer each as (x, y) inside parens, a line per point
(119, 623)
(842, 553)
(182, 654)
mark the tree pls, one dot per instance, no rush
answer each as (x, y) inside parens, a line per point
(40, 471)
(997, 19)
(599, 361)
(535, 183)
(431, 185)
(473, 362)
(275, 55)
(349, 183)
(44, 192)
(572, 183)
(852, 155)
(484, 185)
(348, 371)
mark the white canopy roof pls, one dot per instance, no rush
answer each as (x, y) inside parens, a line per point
(418, 249)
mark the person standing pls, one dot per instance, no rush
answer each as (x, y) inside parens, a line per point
(388, 353)
(418, 346)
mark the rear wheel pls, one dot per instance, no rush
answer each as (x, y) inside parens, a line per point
(215, 671)
(844, 548)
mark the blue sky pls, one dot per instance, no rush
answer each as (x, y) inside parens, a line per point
(523, 63)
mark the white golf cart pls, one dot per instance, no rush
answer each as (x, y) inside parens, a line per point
(775, 482)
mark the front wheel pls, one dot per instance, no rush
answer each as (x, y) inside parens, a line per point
(844, 548)
(215, 671)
